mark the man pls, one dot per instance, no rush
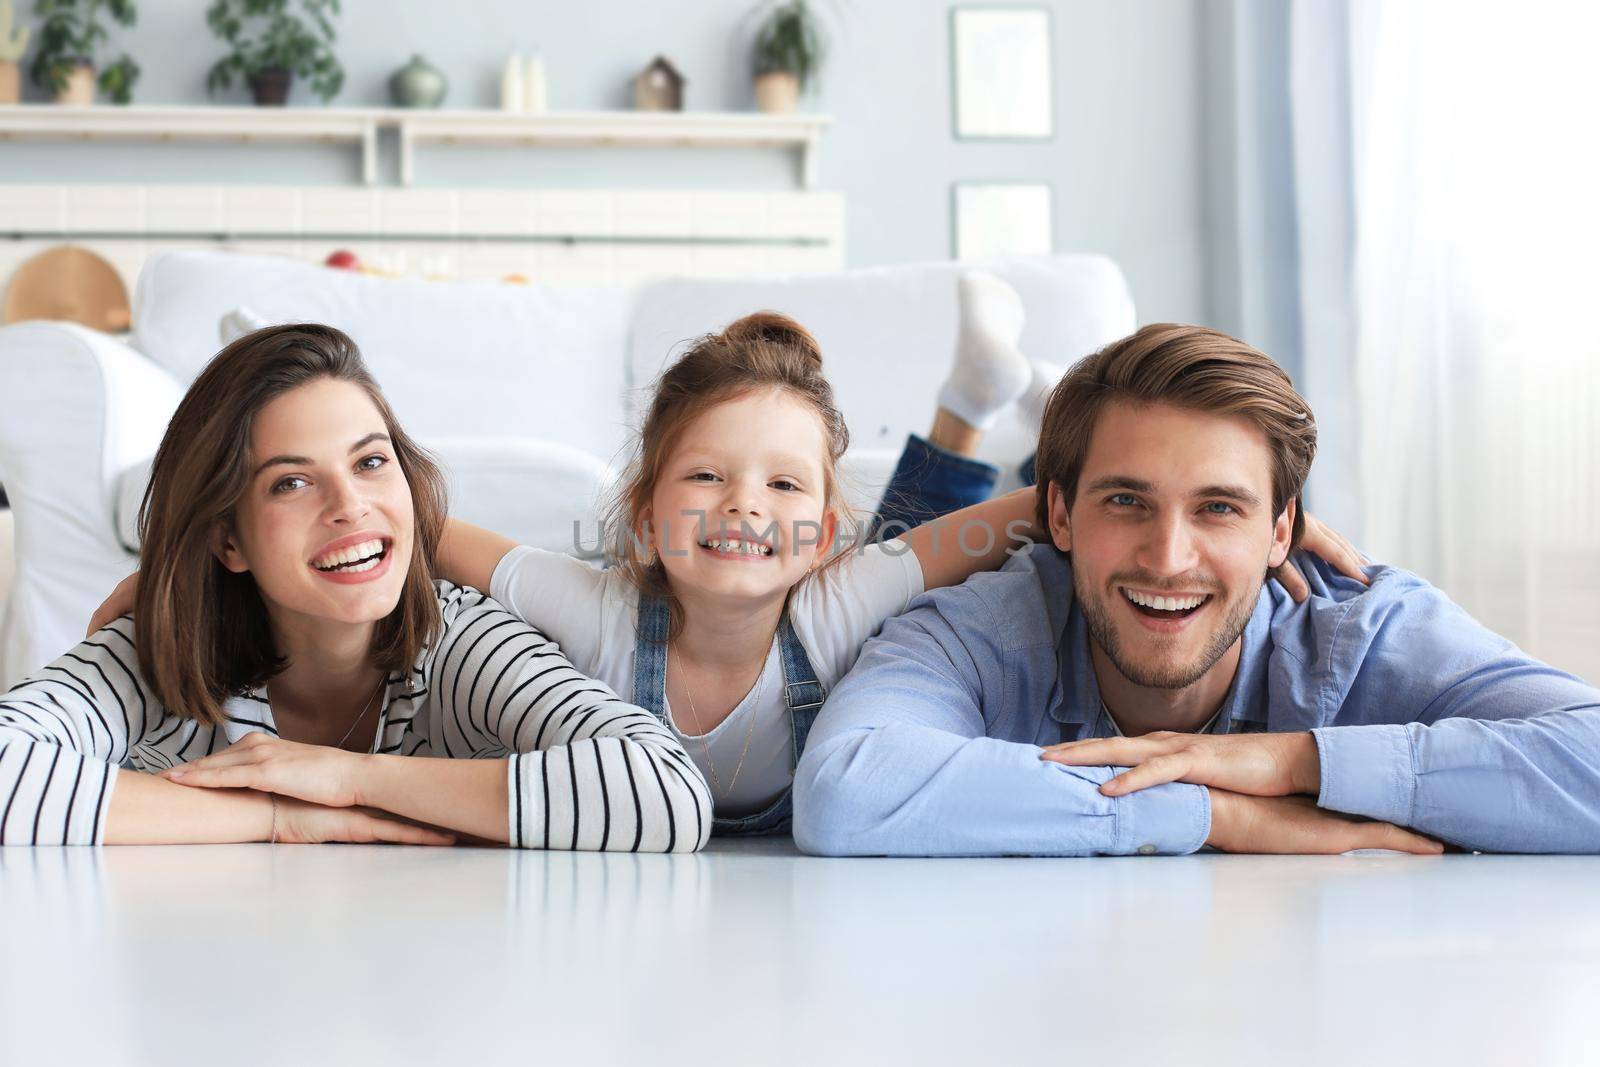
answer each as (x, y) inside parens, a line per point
(1136, 685)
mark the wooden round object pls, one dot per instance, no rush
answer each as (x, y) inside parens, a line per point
(72, 284)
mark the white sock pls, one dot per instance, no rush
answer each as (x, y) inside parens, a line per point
(989, 372)
(238, 322)
(1030, 406)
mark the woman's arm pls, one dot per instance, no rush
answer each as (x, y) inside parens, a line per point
(588, 771)
(148, 810)
(469, 554)
(62, 733)
(64, 730)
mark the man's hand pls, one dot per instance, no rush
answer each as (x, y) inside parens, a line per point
(318, 774)
(1296, 826)
(1263, 765)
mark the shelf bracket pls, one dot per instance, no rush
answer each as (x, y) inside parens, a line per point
(369, 153)
(407, 154)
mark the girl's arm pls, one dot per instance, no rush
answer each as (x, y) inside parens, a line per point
(469, 554)
(980, 537)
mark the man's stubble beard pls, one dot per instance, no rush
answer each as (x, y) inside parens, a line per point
(1103, 631)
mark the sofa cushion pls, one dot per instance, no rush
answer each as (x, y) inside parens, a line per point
(540, 493)
(887, 334)
(454, 358)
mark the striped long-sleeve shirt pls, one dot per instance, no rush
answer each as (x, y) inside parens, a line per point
(585, 769)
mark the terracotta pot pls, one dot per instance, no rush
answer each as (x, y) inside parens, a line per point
(271, 87)
(10, 82)
(80, 86)
(777, 92)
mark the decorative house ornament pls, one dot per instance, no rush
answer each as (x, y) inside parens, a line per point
(418, 84)
(659, 87)
(13, 42)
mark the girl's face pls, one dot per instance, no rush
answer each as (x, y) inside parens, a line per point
(325, 525)
(740, 510)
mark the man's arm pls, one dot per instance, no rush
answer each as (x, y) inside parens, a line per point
(1455, 732)
(898, 762)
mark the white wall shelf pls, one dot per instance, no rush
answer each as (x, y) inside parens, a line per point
(157, 123)
(359, 126)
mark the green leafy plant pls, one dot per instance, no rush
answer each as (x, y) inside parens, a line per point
(791, 40)
(13, 40)
(289, 35)
(69, 36)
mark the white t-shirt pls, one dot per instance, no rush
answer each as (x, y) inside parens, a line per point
(593, 615)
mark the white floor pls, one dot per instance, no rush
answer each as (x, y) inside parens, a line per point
(750, 953)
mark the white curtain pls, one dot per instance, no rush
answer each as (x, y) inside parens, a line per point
(1475, 364)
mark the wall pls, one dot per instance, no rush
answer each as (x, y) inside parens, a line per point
(1127, 163)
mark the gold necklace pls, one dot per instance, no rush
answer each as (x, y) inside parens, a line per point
(700, 731)
(363, 713)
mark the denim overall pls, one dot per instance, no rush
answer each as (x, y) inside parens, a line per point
(801, 691)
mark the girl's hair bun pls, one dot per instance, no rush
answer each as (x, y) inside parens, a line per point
(773, 328)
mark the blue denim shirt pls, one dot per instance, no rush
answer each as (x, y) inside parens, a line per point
(1421, 717)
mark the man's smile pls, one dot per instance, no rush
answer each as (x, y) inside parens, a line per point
(1164, 612)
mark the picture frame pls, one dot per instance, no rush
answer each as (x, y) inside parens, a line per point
(990, 219)
(1002, 73)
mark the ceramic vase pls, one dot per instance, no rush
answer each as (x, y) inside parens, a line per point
(418, 84)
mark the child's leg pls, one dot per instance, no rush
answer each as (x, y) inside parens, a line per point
(1030, 406)
(937, 474)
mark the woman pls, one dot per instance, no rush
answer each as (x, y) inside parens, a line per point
(295, 661)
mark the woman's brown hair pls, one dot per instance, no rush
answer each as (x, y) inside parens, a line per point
(203, 633)
(765, 350)
(1188, 367)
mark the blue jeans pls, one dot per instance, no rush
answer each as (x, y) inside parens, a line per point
(930, 482)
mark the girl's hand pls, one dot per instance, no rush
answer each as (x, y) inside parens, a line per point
(1323, 541)
(299, 823)
(316, 774)
(119, 603)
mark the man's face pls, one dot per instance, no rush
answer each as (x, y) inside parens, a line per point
(1171, 534)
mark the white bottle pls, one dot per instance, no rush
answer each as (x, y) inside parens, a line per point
(533, 97)
(511, 90)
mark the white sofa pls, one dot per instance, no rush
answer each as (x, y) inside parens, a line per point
(524, 391)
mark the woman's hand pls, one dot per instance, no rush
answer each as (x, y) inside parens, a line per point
(317, 774)
(118, 604)
(1328, 543)
(300, 823)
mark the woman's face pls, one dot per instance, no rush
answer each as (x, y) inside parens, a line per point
(740, 508)
(325, 525)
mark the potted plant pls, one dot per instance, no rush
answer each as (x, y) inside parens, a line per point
(788, 54)
(273, 42)
(13, 42)
(65, 60)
